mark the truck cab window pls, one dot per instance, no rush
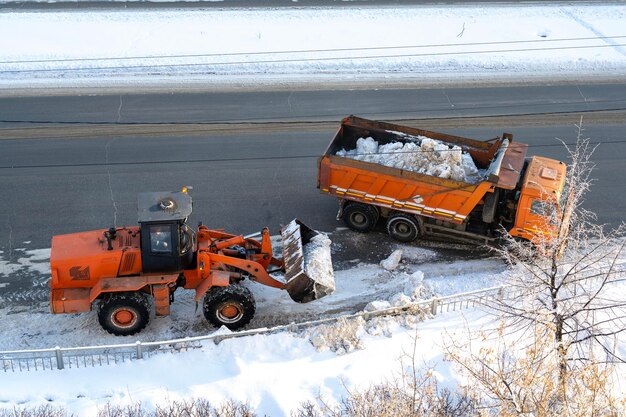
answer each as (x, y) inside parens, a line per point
(160, 239)
(542, 208)
(545, 209)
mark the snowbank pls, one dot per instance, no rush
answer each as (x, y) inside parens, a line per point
(281, 45)
(428, 156)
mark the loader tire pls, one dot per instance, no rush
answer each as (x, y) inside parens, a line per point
(232, 306)
(360, 217)
(403, 227)
(123, 314)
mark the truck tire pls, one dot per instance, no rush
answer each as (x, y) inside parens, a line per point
(403, 227)
(360, 217)
(123, 314)
(232, 306)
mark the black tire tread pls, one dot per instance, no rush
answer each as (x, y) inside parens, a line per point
(217, 295)
(409, 218)
(132, 299)
(370, 212)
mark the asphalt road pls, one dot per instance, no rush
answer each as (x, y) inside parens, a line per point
(69, 164)
(62, 178)
(311, 105)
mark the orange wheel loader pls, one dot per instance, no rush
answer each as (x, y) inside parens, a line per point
(123, 270)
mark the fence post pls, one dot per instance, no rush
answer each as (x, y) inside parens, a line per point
(139, 350)
(59, 357)
(433, 306)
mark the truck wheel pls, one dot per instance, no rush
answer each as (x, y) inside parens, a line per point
(360, 217)
(231, 306)
(123, 314)
(403, 227)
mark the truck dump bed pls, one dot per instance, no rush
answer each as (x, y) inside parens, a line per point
(404, 190)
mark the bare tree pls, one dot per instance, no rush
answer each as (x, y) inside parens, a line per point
(562, 309)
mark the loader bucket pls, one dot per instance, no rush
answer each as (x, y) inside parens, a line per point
(308, 265)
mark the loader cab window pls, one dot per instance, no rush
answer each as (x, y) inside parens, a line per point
(160, 247)
(161, 239)
(187, 239)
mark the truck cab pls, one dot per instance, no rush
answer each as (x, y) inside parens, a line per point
(539, 195)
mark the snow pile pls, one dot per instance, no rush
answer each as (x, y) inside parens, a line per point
(430, 157)
(377, 305)
(392, 261)
(346, 335)
(343, 336)
(318, 264)
(414, 286)
(414, 290)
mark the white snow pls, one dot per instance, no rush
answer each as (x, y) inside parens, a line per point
(318, 264)
(273, 373)
(429, 156)
(392, 261)
(34, 261)
(377, 305)
(255, 46)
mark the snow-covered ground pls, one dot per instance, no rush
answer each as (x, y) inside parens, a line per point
(356, 285)
(273, 373)
(256, 46)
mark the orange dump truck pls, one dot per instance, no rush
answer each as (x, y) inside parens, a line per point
(508, 190)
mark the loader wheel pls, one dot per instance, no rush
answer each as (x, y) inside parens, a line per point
(403, 227)
(231, 306)
(360, 217)
(123, 314)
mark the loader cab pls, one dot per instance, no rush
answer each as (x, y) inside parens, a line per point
(167, 242)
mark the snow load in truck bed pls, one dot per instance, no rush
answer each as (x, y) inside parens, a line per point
(424, 156)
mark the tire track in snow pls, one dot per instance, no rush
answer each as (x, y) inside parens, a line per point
(595, 31)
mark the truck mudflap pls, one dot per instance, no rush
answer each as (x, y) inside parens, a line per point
(307, 261)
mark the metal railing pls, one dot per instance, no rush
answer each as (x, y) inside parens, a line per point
(91, 356)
